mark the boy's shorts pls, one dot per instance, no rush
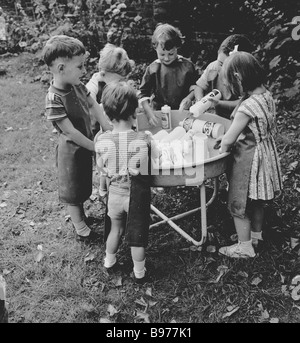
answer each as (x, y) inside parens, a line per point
(118, 205)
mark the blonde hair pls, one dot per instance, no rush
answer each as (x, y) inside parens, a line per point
(114, 59)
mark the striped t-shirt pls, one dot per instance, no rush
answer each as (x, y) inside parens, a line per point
(120, 155)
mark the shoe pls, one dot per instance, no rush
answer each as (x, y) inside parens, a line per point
(113, 269)
(238, 250)
(257, 242)
(91, 238)
(141, 281)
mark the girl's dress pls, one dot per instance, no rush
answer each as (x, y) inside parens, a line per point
(75, 163)
(255, 172)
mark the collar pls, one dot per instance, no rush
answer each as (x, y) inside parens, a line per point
(179, 59)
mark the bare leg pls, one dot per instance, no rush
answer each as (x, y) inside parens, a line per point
(138, 258)
(116, 232)
(76, 214)
(257, 222)
(138, 253)
(244, 246)
(258, 217)
(243, 228)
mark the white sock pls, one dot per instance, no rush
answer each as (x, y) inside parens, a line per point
(247, 243)
(256, 235)
(139, 269)
(109, 260)
(82, 229)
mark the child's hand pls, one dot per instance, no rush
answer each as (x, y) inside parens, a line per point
(218, 142)
(214, 102)
(185, 104)
(153, 120)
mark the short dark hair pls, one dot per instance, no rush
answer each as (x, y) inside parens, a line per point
(119, 100)
(230, 42)
(62, 46)
(167, 36)
(242, 69)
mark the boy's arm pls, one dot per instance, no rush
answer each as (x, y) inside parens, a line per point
(92, 85)
(198, 92)
(186, 103)
(146, 89)
(97, 111)
(74, 135)
(149, 113)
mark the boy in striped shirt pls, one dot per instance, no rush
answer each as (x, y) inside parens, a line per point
(123, 155)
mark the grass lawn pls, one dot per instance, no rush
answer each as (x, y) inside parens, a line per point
(52, 278)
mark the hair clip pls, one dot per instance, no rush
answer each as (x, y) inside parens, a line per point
(234, 50)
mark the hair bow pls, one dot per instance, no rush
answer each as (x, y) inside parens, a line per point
(234, 50)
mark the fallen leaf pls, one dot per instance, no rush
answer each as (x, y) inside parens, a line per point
(175, 300)
(152, 303)
(256, 281)
(298, 307)
(142, 315)
(293, 165)
(222, 271)
(195, 248)
(141, 302)
(111, 310)
(228, 314)
(117, 281)
(265, 314)
(3, 204)
(6, 271)
(89, 257)
(284, 290)
(149, 291)
(104, 320)
(39, 256)
(211, 248)
(243, 274)
(40, 247)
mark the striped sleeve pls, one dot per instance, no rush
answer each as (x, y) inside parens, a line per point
(55, 109)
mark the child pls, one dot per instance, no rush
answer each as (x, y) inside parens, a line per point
(169, 78)
(67, 106)
(114, 65)
(210, 79)
(255, 174)
(123, 154)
